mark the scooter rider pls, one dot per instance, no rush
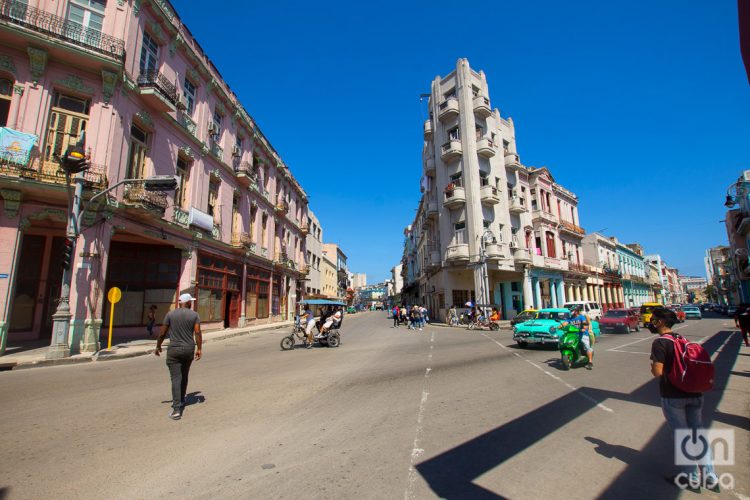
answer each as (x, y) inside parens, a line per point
(581, 322)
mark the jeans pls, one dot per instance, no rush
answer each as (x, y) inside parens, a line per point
(179, 359)
(685, 413)
(395, 320)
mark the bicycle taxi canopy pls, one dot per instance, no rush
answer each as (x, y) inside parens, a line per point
(322, 302)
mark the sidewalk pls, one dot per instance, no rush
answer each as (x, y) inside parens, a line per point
(35, 358)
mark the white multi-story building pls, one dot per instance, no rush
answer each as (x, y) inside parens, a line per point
(314, 242)
(397, 279)
(359, 280)
(661, 268)
(487, 228)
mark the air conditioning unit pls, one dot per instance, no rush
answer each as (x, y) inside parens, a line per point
(212, 128)
(181, 102)
(236, 151)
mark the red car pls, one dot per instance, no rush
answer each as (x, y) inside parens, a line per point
(619, 320)
(675, 308)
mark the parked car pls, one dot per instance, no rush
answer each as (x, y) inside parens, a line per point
(692, 312)
(523, 316)
(646, 312)
(590, 309)
(619, 320)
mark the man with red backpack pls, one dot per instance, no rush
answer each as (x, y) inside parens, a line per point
(685, 372)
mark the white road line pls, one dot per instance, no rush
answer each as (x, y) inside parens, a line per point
(630, 343)
(416, 451)
(552, 375)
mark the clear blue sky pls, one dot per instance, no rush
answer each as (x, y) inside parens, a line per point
(642, 108)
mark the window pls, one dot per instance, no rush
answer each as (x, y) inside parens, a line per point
(459, 233)
(138, 152)
(450, 94)
(88, 14)
(479, 132)
(453, 134)
(550, 245)
(236, 218)
(149, 54)
(182, 172)
(253, 215)
(213, 199)
(484, 178)
(68, 120)
(217, 123)
(6, 92)
(189, 91)
(264, 229)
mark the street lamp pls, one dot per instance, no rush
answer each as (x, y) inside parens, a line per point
(76, 163)
(485, 238)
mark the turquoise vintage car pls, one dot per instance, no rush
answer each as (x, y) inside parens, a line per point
(545, 328)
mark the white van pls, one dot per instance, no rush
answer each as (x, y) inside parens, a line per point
(590, 309)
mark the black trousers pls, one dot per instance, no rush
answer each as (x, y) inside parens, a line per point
(179, 359)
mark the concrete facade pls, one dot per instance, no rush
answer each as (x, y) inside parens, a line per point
(314, 241)
(338, 257)
(634, 278)
(359, 280)
(605, 279)
(151, 103)
(328, 278)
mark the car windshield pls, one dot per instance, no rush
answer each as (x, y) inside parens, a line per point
(615, 314)
(558, 316)
(689, 308)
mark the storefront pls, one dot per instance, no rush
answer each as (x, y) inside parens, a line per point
(218, 290)
(257, 286)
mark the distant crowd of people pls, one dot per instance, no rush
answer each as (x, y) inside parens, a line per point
(414, 317)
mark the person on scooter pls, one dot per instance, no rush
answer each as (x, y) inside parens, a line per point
(307, 321)
(581, 322)
(495, 314)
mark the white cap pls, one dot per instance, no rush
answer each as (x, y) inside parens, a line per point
(186, 297)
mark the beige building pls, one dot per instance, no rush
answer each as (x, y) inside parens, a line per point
(487, 228)
(314, 255)
(328, 278)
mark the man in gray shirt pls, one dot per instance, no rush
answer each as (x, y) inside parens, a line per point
(185, 342)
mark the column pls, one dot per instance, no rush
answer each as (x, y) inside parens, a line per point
(528, 300)
(622, 297)
(553, 292)
(585, 292)
(560, 292)
(537, 294)
(508, 301)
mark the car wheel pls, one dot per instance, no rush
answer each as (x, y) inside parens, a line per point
(522, 344)
(334, 340)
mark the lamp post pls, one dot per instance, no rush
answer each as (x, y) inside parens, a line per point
(61, 318)
(484, 292)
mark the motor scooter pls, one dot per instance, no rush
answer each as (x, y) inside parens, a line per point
(572, 353)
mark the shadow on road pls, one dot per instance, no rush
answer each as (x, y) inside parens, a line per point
(451, 474)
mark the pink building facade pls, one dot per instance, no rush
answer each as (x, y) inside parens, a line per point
(128, 75)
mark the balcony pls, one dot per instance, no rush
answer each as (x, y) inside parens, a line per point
(543, 216)
(157, 91)
(181, 217)
(428, 129)
(241, 240)
(244, 173)
(451, 150)
(304, 229)
(429, 165)
(489, 195)
(454, 197)
(448, 109)
(742, 226)
(522, 255)
(432, 258)
(216, 150)
(136, 196)
(20, 15)
(457, 252)
(20, 166)
(496, 251)
(516, 205)
(486, 148)
(482, 106)
(282, 207)
(571, 228)
(549, 263)
(511, 161)
(187, 123)
(432, 209)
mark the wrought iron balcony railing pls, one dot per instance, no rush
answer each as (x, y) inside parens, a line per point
(21, 166)
(136, 195)
(20, 14)
(154, 79)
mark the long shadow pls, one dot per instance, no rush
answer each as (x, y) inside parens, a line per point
(451, 474)
(4, 492)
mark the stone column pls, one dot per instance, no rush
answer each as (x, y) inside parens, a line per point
(553, 292)
(528, 300)
(561, 296)
(537, 294)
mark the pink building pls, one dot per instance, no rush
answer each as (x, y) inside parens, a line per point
(130, 74)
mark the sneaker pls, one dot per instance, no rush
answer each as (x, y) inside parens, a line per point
(309, 346)
(175, 414)
(712, 483)
(589, 366)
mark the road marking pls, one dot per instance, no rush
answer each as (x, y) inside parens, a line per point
(416, 451)
(555, 377)
(617, 349)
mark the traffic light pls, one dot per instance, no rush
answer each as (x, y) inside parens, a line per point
(74, 160)
(67, 253)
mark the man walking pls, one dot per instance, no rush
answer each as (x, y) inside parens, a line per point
(185, 344)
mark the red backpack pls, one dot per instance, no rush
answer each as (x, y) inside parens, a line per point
(692, 368)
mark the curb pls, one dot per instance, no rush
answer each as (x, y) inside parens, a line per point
(96, 357)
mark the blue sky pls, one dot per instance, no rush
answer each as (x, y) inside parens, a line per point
(642, 108)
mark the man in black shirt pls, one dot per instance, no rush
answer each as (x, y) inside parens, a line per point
(185, 344)
(681, 409)
(742, 321)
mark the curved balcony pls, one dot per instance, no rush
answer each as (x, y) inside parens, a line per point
(429, 165)
(457, 252)
(244, 172)
(432, 209)
(496, 251)
(157, 91)
(489, 195)
(516, 205)
(486, 148)
(482, 106)
(432, 259)
(451, 150)
(428, 129)
(448, 109)
(512, 161)
(572, 229)
(454, 198)
(543, 216)
(522, 255)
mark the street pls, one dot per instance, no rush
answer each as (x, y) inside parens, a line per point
(391, 413)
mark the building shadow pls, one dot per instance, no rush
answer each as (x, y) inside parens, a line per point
(4, 492)
(451, 474)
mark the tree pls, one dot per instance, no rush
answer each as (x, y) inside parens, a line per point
(710, 293)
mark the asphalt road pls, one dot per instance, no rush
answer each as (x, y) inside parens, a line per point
(391, 413)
